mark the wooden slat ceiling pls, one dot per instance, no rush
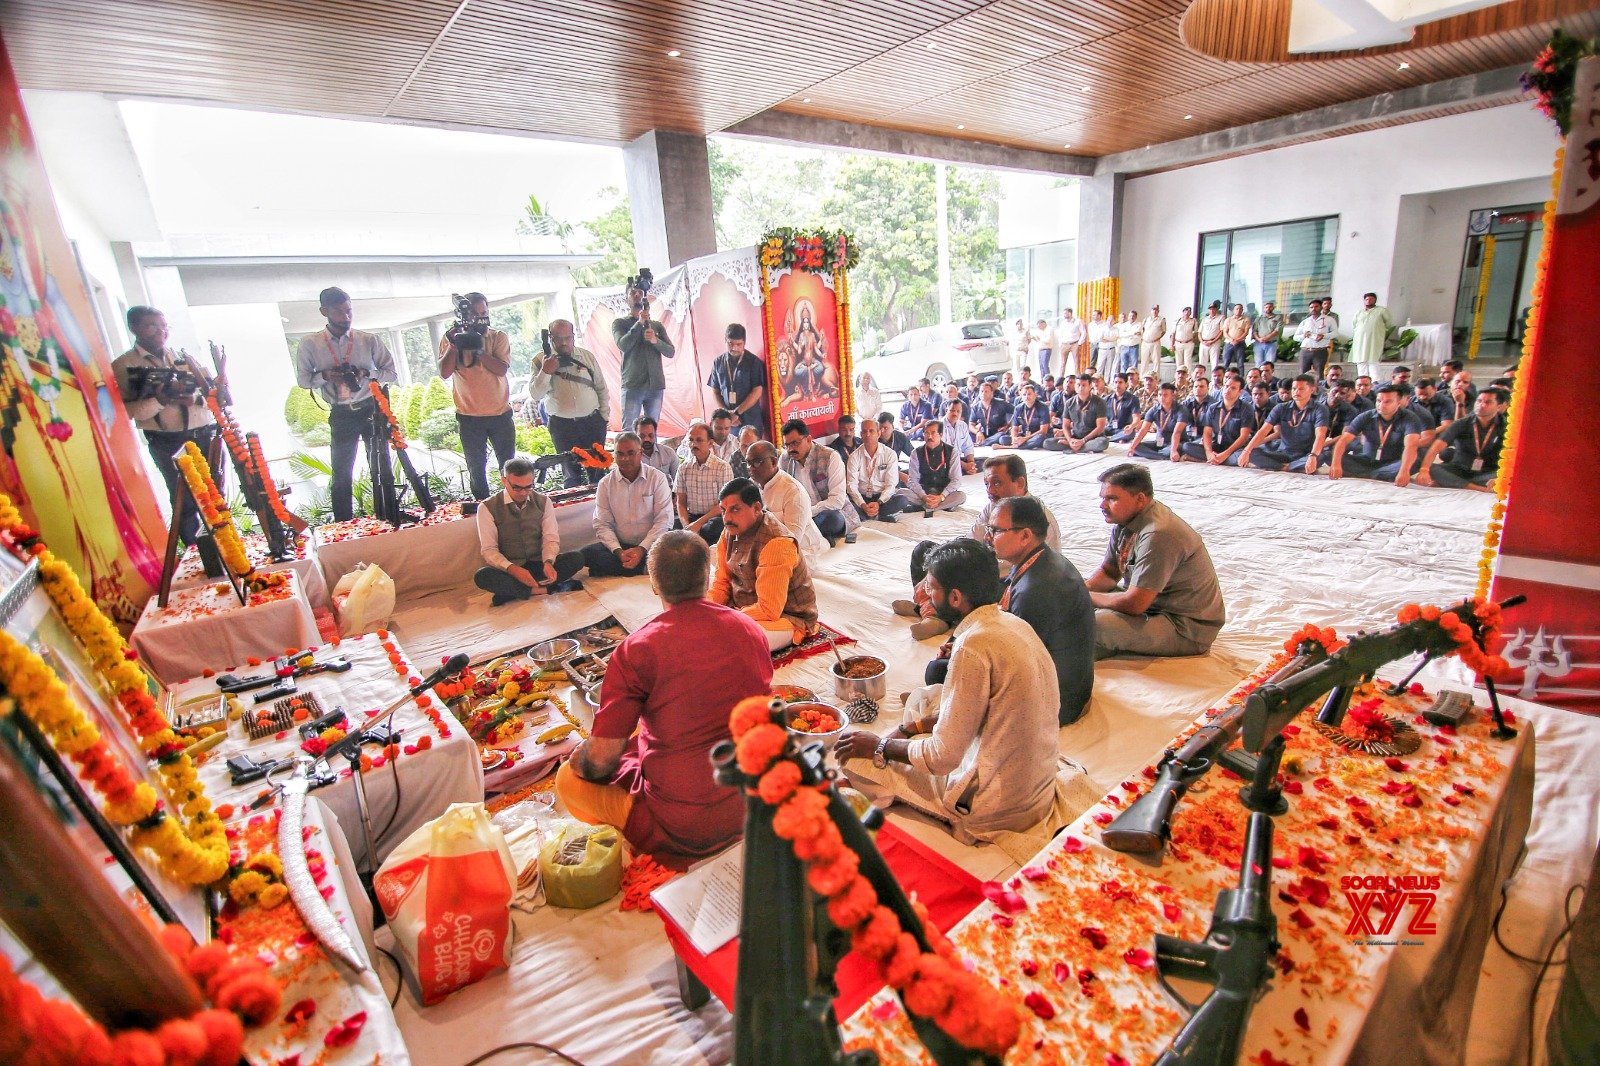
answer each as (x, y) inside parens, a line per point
(1103, 76)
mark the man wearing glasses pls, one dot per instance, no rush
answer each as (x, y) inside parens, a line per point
(520, 542)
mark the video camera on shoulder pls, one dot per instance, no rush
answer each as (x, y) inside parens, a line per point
(642, 281)
(163, 383)
(468, 330)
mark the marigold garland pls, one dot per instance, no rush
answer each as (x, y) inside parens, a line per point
(817, 252)
(188, 840)
(397, 437)
(1309, 633)
(1519, 391)
(241, 991)
(932, 984)
(1477, 655)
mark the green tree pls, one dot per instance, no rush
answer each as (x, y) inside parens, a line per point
(422, 358)
(610, 234)
(888, 206)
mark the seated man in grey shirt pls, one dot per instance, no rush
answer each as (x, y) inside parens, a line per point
(1156, 593)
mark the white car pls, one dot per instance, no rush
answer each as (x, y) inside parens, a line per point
(941, 354)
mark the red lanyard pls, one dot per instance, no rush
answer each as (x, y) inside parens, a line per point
(1383, 435)
(1016, 575)
(944, 454)
(333, 348)
(1479, 443)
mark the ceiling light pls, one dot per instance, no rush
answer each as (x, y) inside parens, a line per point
(1186, 118)
(961, 127)
(1066, 146)
(1404, 66)
(805, 99)
(1085, 88)
(932, 45)
(674, 53)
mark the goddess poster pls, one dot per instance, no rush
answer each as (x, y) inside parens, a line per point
(804, 319)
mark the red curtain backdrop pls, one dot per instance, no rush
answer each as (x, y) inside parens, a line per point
(71, 454)
(1550, 547)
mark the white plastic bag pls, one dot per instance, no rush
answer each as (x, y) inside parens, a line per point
(363, 600)
(446, 891)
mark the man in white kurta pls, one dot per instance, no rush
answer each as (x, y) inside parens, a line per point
(979, 751)
(785, 499)
(1368, 331)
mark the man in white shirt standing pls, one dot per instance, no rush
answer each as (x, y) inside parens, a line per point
(1072, 336)
(341, 363)
(520, 541)
(1154, 328)
(787, 500)
(1315, 334)
(1184, 331)
(1044, 342)
(632, 509)
(874, 473)
(1103, 344)
(575, 397)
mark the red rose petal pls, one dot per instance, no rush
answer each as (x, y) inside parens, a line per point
(1040, 1006)
(1171, 911)
(302, 1010)
(1139, 958)
(1281, 862)
(886, 1010)
(1028, 967)
(1328, 823)
(345, 1033)
(1465, 790)
(1396, 765)
(1035, 873)
(1454, 801)
(1062, 973)
(1072, 845)
(1103, 818)
(1093, 936)
(1004, 921)
(1301, 918)
(1412, 800)
(1302, 1019)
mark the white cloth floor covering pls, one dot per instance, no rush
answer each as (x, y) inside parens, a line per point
(1289, 549)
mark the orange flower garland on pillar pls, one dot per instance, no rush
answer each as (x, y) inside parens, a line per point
(933, 985)
(1530, 347)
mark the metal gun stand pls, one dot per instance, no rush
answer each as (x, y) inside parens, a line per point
(386, 491)
(788, 947)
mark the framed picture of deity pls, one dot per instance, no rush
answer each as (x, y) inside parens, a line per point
(29, 617)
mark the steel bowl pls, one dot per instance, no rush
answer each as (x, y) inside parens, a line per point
(552, 653)
(803, 737)
(872, 687)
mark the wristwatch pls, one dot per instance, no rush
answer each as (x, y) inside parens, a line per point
(878, 758)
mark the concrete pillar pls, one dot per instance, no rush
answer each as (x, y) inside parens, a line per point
(669, 195)
(164, 291)
(128, 272)
(1100, 226)
(397, 348)
(436, 327)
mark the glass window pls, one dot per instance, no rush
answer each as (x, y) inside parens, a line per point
(1289, 263)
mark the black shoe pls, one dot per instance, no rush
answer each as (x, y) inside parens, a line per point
(849, 538)
(889, 518)
(928, 513)
(498, 601)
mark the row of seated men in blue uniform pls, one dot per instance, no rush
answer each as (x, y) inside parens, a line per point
(1442, 432)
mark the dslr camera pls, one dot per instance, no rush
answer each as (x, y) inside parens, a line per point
(164, 384)
(466, 333)
(346, 378)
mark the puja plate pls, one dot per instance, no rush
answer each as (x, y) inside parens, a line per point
(793, 693)
(491, 758)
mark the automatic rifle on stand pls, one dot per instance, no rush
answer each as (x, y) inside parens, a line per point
(386, 438)
(281, 527)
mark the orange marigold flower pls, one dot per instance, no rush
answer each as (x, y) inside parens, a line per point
(183, 1041)
(135, 1047)
(830, 878)
(779, 783)
(820, 846)
(206, 960)
(902, 965)
(854, 905)
(758, 747)
(877, 936)
(224, 1036)
(929, 991)
(255, 997)
(749, 713)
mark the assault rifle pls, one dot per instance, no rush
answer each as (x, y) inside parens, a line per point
(1235, 959)
(1146, 825)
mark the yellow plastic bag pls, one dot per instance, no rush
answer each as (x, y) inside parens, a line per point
(581, 866)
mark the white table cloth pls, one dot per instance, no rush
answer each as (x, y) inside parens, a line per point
(201, 627)
(432, 557)
(400, 798)
(191, 574)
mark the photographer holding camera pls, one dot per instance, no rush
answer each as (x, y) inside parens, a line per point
(578, 406)
(475, 359)
(164, 393)
(340, 362)
(644, 344)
